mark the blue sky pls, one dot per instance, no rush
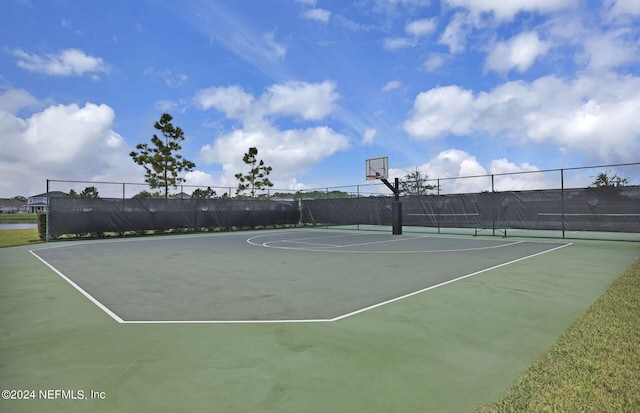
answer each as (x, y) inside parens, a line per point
(454, 88)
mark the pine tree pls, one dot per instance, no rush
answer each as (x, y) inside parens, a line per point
(257, 178)
(162, 162)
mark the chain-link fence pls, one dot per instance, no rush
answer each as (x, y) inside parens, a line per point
(602, 198)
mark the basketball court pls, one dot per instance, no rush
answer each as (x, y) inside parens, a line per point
(291, 320)
(275, 276)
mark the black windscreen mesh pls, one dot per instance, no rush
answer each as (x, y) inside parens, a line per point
(87, 215)
(590, 209)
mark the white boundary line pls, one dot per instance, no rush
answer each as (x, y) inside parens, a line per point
(341, 317)
(335, 248)
(320, 320)
(83, 292)
(301, 241)
(446, 282)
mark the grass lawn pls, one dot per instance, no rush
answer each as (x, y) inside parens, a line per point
(18, 218)
(15, 237)
(595, 366)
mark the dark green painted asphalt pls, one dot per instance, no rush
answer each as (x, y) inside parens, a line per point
(449, 349)
(288, 275)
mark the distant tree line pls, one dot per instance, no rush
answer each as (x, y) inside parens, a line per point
(609, 179)
(88, 192)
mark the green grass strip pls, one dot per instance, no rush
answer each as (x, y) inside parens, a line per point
(595, 366)
(18, 219)
(15, 237)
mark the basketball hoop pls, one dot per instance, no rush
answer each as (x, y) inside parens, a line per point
(377, 168)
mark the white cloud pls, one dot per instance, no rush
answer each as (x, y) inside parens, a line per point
(390, 7)
(273, 49)
(13, 100)
(507, 176)
(595, 47)
(415, 29)
(433, 62)
(392, 85)
(441, 110)
(309, 101)
(454, 162)
(421, 27)
(352, 25)
(166, 106)
(294, 151)
(519, 52)
(622, 7)
(369, 134)
(232, 101)
(455, 34)
(60, 142)
(592, 115)
(474, 177)
(66, 23)
(320, 15)
(291, 152)
(169, 78)
(451, 163)
(199, 178)
(605, 51)
(506, 10)
(301, 100)
(60, 133)
(395, 43)
(67, 63)
(503, 166)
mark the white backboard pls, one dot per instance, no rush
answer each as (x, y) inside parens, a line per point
(377, 168)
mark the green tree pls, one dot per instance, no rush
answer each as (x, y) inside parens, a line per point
(89, 192)
(415, 183)
(320, 195)
(604, 179)
(204, 193)
(257, 178)
(72, 194)
(161, 161)
(147, 195)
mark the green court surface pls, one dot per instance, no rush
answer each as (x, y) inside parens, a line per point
(288, 320)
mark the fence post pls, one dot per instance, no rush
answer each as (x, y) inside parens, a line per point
(493, 206)
(562, 198)
(438, 205)
(47, 216)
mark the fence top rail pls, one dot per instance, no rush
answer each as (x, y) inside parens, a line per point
(327, 188)
(535, 172)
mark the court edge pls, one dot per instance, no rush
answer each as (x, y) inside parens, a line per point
(330, 320)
